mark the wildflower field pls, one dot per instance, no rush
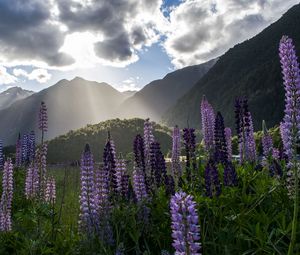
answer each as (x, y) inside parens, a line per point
(208, 203)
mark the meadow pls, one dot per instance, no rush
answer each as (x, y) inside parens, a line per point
(207, 202)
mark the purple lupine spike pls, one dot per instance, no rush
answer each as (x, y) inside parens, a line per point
(41, 161)
(250, 141)
(120, 172)
(1, 155)
(87, 191)
(32, 181)
(244, 128)
(139, 185)
(220, 154)
(275, 169)
(7, 196)
(185, 224)
(50, 192)
(148, 139)
(230, 175)
(190, 149)
(109, 165)
(276, 154)
(19, 151)
(102, 191)
(43, 120)
(31, 146)
(208, 123)
(139, 152)
(25, 149)
(290, 128)
(267, 144)
(176, 147)
(112, 144)
(212, 182)
(158, 165)
(125, 186)
(228, 137)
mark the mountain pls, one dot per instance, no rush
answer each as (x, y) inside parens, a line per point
(159, 95)
(71, 105)
(129, 93)
(251, 68)
(68, 147)
(11, 95)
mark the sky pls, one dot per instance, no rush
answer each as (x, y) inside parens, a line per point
(126, 43)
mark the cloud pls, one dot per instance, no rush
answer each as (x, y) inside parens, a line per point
(200, 30)
(28, 36)
(122, 27)
(40, 75)
(5, 77)
(130, 84)
(67, 34)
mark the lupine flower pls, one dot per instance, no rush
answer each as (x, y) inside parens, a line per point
(7, 196)
(244, 129)
(32, 181)
(139, 185)
(102, 191)
(176, 147)
(87, 192)
(212, 182)
(102, 206)
(148, 139)
(19, 151)
(109, 165)
(276, 154)
(290, 127)
(190, 148)
(220, 140)
(185, 224)
(208, 123)
(250, 141)
(120, 172)
(158, 164)
(1, 155)
(25, 149)
(41, 161)
(43, 119)
(31, 146)
(50, 192)
(267, 144)
(139, 152)
(230, 175)
(228, 137)
(125, 186)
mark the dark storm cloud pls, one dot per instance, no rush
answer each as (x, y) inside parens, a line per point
(25, 33)
(108, 18)
(115, 49)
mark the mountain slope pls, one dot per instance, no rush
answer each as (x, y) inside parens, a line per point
(71, 105)
(159, 95)
(11, 95)
(251, 68)
(68, 147)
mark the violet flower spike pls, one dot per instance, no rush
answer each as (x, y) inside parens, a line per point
(228, 137)
(139, 185)
(208, 123)
(7, 196)
(176, 148)
(185, 224)
(87, 191)
(1, 155)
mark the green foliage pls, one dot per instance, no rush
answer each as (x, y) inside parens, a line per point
(68, 147)
(253, 218)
